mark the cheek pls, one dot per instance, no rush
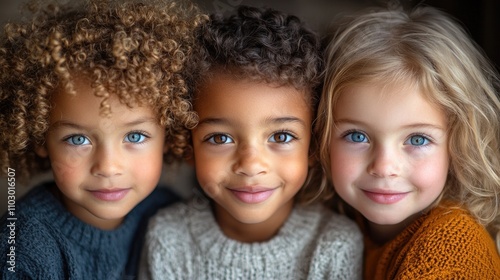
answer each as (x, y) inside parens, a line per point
(343, 166)
(148, 168)
(293, 170)
(431, 174)
(211, 172)
(69, 164)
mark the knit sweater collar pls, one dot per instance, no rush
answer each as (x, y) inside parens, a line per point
(292, 237)
(52, 212)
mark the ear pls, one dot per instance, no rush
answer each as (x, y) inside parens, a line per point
(41, 151)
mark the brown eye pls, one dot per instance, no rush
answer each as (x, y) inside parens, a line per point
(219, 139)
(281, 137)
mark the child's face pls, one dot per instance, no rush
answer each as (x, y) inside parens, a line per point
(103, 166)
(389, 154)
(251, 148)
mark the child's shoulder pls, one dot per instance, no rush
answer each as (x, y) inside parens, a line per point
(35, 208)
(332, 229)
(450, 218)
(29, 241)
(450, 224)
(449, 237)
(334, 223)
(178, 216)
(339, 247)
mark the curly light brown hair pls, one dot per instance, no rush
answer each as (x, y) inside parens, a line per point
(136, 51)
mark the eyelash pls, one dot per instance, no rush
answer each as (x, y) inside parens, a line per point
(140, 132)
(423, 135)
(284, 132)
(210, 138)
(419, 134)
(68, 139)
(349, 132)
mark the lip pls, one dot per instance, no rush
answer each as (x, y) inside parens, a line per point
(252, 195)
(385, 197)
(110, 194)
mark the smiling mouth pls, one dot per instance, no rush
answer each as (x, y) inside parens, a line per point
(252, 196)
(385, 197)
(110, 194)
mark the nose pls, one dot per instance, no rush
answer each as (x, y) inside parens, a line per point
(385, 163)
(251, 161)
(107, 162)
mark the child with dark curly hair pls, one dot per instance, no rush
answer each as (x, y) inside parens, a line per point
(255, 98)
(95, 92)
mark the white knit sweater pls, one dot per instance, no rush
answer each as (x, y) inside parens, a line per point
(185, 242)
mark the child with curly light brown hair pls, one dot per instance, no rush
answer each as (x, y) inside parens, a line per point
(259, 218)
(94, 91)
(409, 126)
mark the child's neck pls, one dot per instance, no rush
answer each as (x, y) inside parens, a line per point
(381, 234)
(248, 233)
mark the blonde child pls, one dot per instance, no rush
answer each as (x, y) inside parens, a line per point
(409, 127)
(94, 92)
(255, 99)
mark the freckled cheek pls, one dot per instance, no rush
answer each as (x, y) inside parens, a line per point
(69, 165)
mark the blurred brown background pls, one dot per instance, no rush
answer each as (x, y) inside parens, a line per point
(480, 18)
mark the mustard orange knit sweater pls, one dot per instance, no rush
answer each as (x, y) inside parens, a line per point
(446, 243)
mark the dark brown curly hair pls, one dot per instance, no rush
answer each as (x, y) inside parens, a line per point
(263, 45)
(136, 51)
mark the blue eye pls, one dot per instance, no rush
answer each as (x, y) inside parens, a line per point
(219, 139)
(356, 137)
(281, 137)
(77, 140)
(418, 140)
(135, 137)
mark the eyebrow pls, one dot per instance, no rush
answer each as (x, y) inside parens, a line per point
(414, 126)
(278, 120)
(64, 123)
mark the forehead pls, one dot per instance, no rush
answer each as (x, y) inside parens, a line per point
(233, 87)
(248, 85)
(83, 102)
(398, 103)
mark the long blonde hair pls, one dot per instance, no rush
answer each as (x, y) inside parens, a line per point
(428, 48)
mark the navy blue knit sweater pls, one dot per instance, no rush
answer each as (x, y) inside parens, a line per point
(51, 243)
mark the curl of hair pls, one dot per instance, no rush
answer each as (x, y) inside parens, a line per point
(136, 51)
(427, 48)
(263, 45)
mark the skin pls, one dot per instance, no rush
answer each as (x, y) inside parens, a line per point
(389, 154)
(103, 166)
(251, 153)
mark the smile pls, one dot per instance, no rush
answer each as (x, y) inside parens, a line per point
(385, 197)
(252, 195)
(110, 194)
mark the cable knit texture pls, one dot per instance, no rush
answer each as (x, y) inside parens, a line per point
(185, 242)
(446, 243)
(51, 243)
